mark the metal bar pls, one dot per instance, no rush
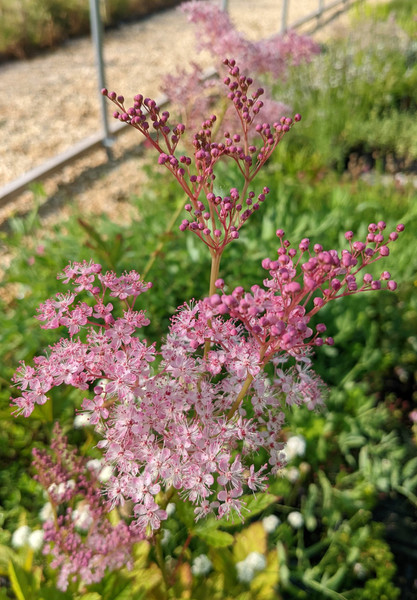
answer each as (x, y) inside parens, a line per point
(284, 16)
(96, 32)
(317, 13)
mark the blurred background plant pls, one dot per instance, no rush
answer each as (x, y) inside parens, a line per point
(28, 26)
(341, 522)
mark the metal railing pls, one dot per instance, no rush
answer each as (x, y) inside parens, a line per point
(322, 8)
(106, 136)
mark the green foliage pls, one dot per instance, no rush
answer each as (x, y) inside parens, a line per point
(402, 11)
(353, 104)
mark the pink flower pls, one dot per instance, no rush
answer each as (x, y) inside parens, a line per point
(149, 514)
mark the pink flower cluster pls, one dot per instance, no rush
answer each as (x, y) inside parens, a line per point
(218, 35)
(195, 423)
(79, 537)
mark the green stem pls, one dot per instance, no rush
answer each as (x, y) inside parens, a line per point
(214, 274)
(180, 558)
(240, 396)
(315, 585)
(215, 268)
(246, 385)
(161, 563)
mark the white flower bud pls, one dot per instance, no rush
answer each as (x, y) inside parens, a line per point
(105, 474)
(46, 513)
(20, 536)
(292, 474)
(295, 519)
(170, 509)
(166, 536)
(35, 539)
(256, 561)
(270, 523)
(82, 516)
(94, 464)
(245, 573)
(81, 420)
(201, 565)
(295, 446)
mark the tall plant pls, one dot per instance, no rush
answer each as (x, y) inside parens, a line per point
(204, 425)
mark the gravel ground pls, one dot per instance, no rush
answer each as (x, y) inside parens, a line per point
(51, 102)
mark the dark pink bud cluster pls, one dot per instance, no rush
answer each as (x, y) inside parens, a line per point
(218, 222)
(228, 212)
(301, 282)
(146, 117)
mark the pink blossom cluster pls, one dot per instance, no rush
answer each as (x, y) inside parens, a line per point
(215, 220)
(217, 34)
(79, 537)
(159, 430)
(195, 424)
(192, 94)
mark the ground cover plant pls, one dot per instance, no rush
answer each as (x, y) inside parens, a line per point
(315, 534)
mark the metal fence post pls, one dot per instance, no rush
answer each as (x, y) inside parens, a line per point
(284, 16)
(96, 32)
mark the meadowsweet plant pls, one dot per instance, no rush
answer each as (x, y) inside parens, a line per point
(190, 429)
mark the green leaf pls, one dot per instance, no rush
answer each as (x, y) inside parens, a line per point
(250, 539)
(185, 513)
(20, 581)
(215, 538)
(51, 593)
(257, 504)
(410, 468)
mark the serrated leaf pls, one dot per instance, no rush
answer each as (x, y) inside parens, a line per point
(91, 596)
(215, 538)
